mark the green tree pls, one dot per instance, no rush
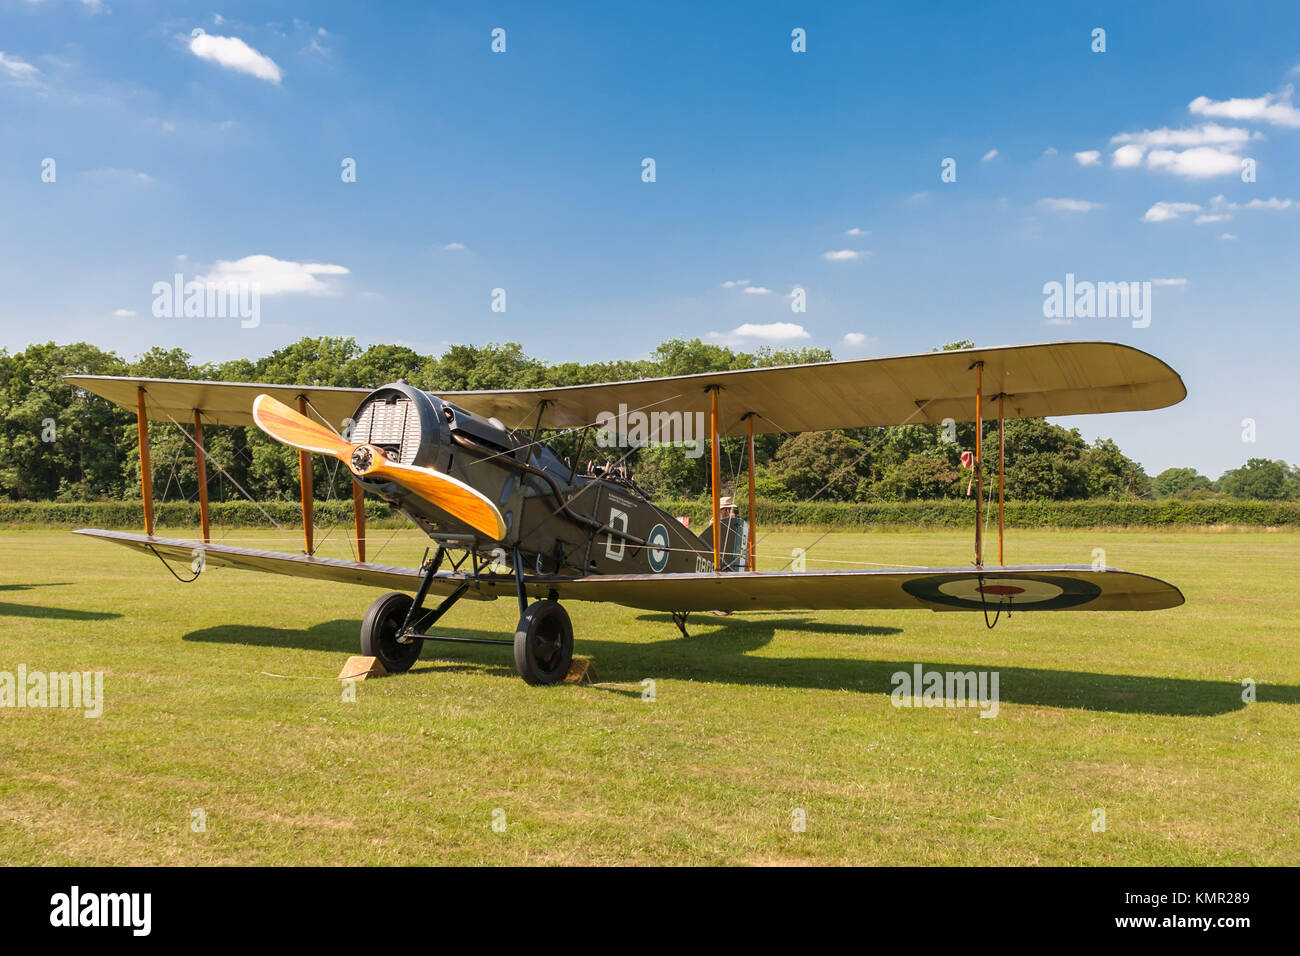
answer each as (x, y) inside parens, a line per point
(1257, 478)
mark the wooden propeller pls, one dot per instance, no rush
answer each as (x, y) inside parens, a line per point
(289, 427)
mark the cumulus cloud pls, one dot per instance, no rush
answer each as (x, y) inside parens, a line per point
(124, 313)
(1089, 157)
(454, 247)
(1165, 211)
(1208, 134)
(771, 332)
(1275, 108)
(1202, 162)
(844, 255)
(855, 231)
(18, 70)
(757, 290)
(991, 154)
(856, 340)
(1069, 205)
(1227, 236)
(1169, 282)
(277, 276)
(735, 283)
(234, 54)
(1127, 156)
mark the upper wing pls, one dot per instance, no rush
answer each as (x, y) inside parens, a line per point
(1066, 378)
(222, 403)
(1031, 588)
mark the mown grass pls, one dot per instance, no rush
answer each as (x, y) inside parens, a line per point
(755, 716)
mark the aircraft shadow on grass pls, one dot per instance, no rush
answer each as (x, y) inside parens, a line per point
(723, 654)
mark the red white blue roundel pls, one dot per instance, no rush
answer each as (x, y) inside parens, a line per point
(1010, 592)
(658, 549)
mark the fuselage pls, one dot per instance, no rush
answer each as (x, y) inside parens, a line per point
(561, 519)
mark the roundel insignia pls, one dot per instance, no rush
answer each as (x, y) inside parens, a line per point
(658, 549)
(1016, 592)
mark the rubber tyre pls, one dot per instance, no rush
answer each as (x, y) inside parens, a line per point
(544, 644)
(379, 633)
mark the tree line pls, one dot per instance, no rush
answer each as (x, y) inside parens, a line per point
(58, 443)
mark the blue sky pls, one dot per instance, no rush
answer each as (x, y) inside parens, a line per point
(522, 170)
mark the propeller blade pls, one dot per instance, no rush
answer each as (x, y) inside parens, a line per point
(289, 427)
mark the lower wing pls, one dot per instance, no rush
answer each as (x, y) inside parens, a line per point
(1030, 588)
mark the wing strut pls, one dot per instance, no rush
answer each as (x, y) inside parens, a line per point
(304, 486)
(979, 464)
(201, 466)
(1002, 454)
(715, 477)
(753, 508)
(146, 472)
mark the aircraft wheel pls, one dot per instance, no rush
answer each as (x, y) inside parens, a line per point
(544, 644)
(379, 633)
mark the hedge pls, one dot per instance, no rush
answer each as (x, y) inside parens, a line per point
(1160, 513)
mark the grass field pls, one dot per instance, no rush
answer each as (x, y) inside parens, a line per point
(754, 717)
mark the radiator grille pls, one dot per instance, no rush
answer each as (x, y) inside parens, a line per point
(390, 424)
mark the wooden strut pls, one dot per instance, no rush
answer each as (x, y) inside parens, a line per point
(753, 507)
(201, 466)
(1002, 454)
(304, 486)
(714, 477)
(359, 519)
(146, 472)
(979, 465)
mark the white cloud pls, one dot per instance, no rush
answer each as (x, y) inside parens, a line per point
(1165, 211)
(18, 69)
(1089, 157)
(844, 255)
(1208, 134)
(772, 332)
(856, 340)
(1050, 151)
(277, 276)
(1271, 203)
(1127, 156)
(991, 154)
(757, 290)
(734, 283)
(923, 194)
(1200, 162)
(1221, 210)
(234, 54)
(129, 177)
(1069, 205)
(1275, 108)
(124, 313)
(1228, 236)
(1169, 282)
(454, 247)
(855, 231)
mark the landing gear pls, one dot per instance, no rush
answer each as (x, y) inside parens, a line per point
(383, 622)
(544, 643)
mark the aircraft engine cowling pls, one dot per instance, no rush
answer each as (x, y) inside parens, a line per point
(415, 427)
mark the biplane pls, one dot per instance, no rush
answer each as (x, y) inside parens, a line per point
(492, 497)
